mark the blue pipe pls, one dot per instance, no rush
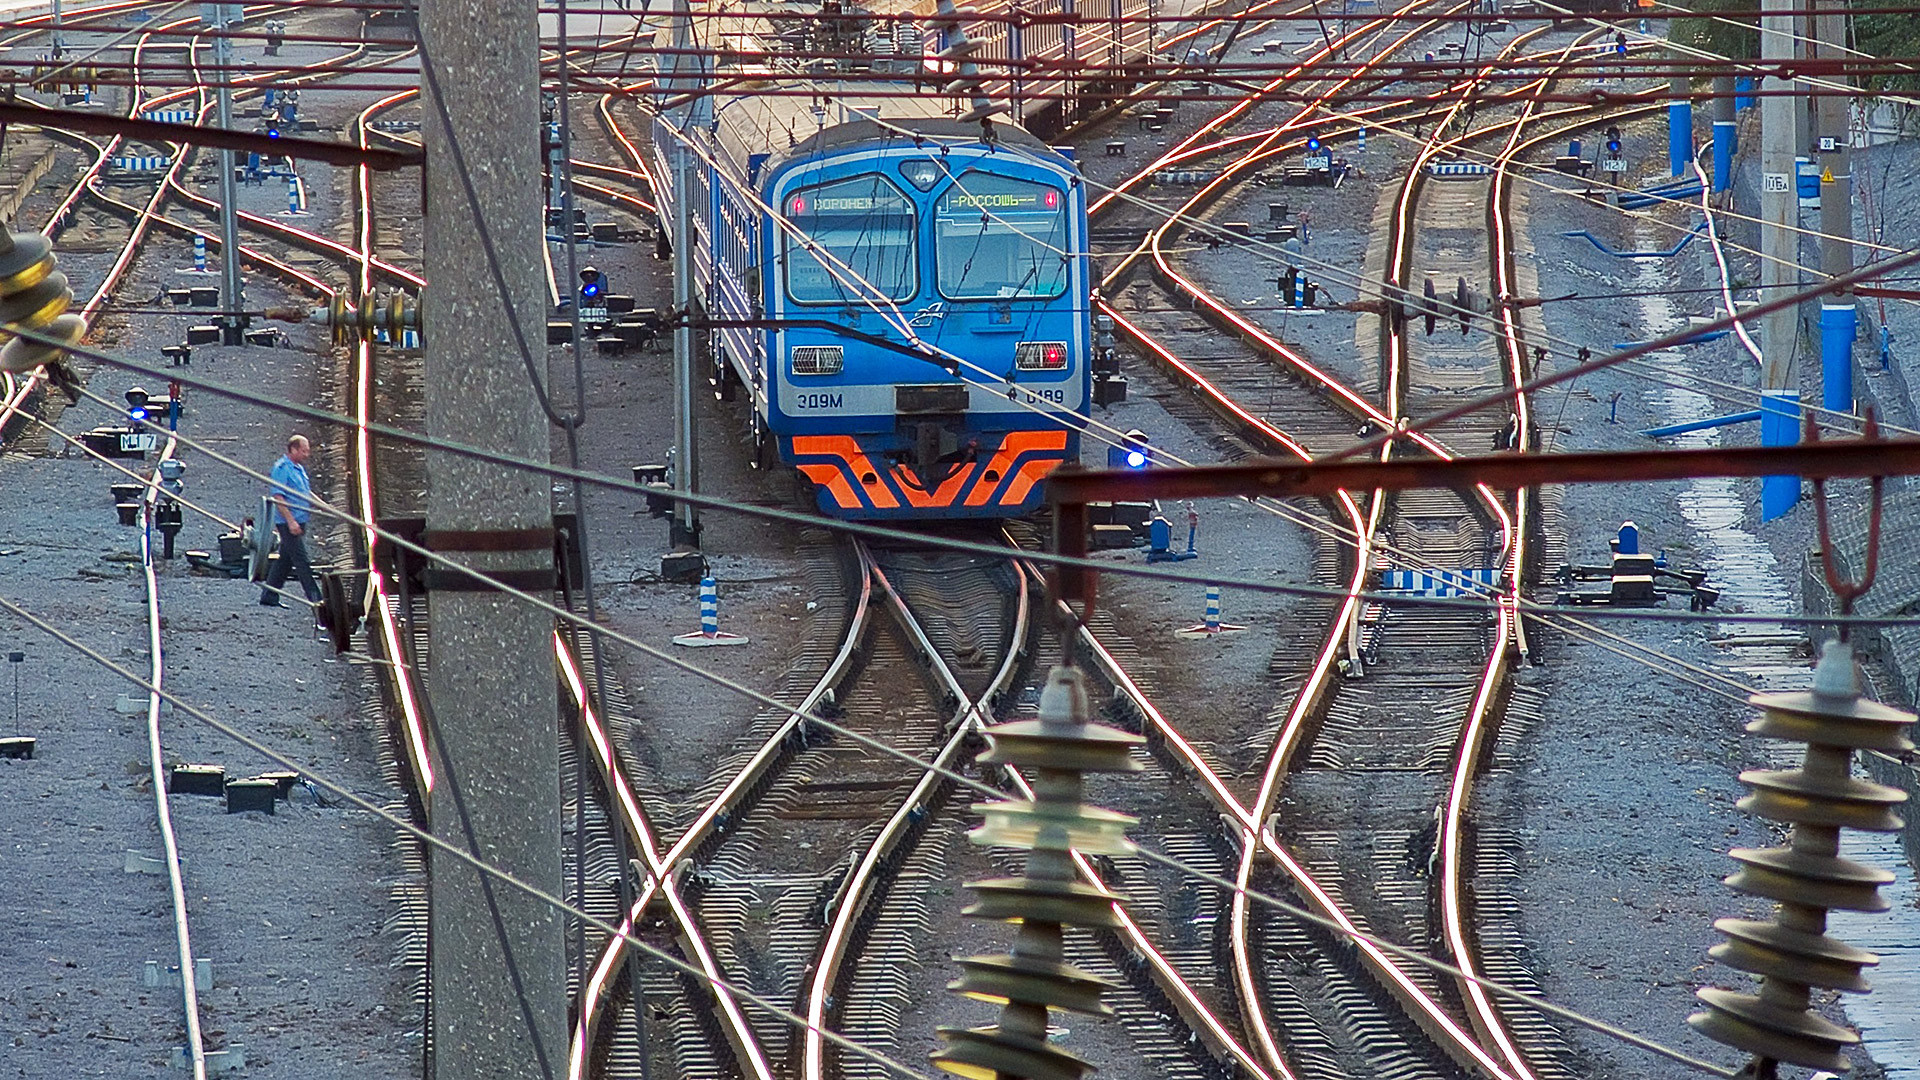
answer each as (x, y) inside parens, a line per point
(1667, 254)
(1742, 93)
(1701, 425)
(1837, 325)
(1680, 137)
(1726, 143)
(1674, 192)
(1779, 426)
(1700, 338)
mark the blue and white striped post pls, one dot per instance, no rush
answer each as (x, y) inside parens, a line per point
(199, 254)
(1360, 140)
(709, 607)
(293, 195)
(709, 632)
(1210, 625)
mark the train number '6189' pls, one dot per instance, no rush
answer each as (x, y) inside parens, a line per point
(817, 401)
(1037, 395)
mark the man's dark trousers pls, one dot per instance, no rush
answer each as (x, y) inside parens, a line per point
(293, 560)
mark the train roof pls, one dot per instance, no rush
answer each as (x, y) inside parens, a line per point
(787, 128)
(804, 117)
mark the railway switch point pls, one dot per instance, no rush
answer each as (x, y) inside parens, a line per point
(196, 779)
(1210, 625)
(1792, 954)
(709, 633)
(245, 795)
(17, 747)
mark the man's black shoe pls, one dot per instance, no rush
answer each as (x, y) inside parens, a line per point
(271, 601)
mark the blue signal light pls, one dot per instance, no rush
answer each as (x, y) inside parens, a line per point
(589, 291)
(137, 414)
(273, 133)
(1313, 144)
(1136, 459)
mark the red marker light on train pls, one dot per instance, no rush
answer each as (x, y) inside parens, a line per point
(799, 204)
(1052, 199)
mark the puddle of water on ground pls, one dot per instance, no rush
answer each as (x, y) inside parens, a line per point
(1750, 579)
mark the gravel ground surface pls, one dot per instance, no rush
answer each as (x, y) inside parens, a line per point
(289, 908)
(1626, 836)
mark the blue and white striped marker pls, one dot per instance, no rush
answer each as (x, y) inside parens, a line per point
(199, 254)
(1360, 140)
(1211, 624)
(293, 196)
(709, 632)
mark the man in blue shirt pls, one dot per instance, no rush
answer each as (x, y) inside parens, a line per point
(291, 503)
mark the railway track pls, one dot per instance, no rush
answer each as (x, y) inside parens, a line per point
(1436, 535)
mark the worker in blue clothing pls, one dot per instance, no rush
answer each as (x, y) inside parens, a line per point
(292, 505)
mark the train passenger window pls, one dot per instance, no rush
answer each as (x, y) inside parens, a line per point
(1000, 238)
(863, 225)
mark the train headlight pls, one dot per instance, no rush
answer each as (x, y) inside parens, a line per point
(920, 173)
(816, 359)
(1040, 355)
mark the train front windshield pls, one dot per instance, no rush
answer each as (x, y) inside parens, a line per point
(1000, 238)
(864, 229)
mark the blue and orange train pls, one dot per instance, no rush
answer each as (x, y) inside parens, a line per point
(902, 295)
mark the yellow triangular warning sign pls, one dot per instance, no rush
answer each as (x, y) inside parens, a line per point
(1826, 176)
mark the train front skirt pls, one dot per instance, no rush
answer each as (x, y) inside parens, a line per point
(1000, 482)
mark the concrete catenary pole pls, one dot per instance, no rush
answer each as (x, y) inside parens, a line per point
(498, 961)
(1833, 153)
(1779, 255)
(688, 76)
(232, 289)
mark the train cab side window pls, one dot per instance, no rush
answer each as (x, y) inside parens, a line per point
(1000, 238)
(863, 224)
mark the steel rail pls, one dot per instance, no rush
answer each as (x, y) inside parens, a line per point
(1245, 984)
(1179, 989)
(14, 398)
(970, 714)
(1432, 1017)
(176, 882)
(660, 872)
(1242, 107)
(1437, 1022)
(16, 392)
(745, 780)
